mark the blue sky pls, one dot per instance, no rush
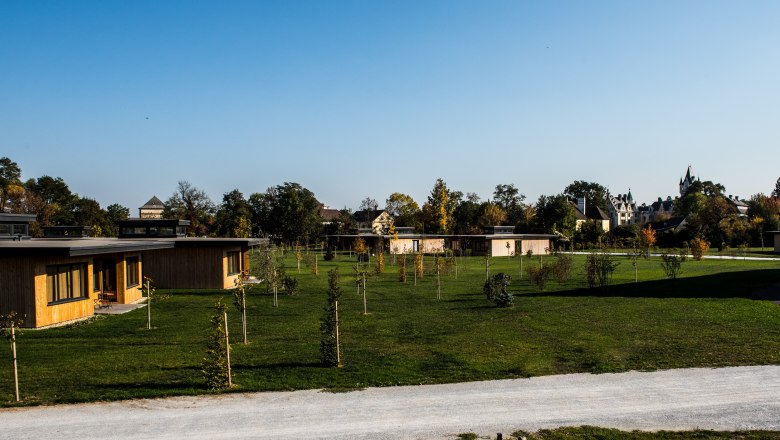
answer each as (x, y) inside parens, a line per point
(365, 98)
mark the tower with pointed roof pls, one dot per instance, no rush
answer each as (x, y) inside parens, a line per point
(151, 209)
(687, 181)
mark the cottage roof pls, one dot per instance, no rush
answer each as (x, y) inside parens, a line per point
(154, 203)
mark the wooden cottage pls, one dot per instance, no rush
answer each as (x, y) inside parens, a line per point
(55, 281)
(190, 262)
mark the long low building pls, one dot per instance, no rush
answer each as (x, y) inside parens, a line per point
(496, 240)
(52, 281)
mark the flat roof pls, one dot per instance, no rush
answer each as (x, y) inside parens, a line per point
(485, 236)
(8, 217)
(77, 247)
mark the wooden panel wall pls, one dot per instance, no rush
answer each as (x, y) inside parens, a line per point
(189, 268)
(23, 289)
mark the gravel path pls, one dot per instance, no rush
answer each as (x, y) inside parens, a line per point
(723, 399)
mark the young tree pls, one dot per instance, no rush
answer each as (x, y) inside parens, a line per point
(699, 248)
(239, 299)
(672, 264)
(599, 267)
(147, 290)
(329, 325)
(216, 364)
(402, 268)
(8, 325)
(439, 264)
(647, 239)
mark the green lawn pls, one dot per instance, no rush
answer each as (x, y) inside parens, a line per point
(706, 318)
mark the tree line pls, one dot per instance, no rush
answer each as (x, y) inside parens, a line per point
(290, 213)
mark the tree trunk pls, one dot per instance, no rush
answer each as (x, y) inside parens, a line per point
(227, 351)
(16, 371)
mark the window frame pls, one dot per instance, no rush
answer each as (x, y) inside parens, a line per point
(230, 255)
(55, 273)
(132, 267)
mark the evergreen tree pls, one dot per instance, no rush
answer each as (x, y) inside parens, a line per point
(329, 326)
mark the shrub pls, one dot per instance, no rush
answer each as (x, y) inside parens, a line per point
(539, 275)
(561, 267)
(329, 254)
(599, 267)
(699, 248)
(496, 290)
(290, 285)
(672, 264)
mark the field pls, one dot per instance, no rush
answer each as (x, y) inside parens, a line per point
(706, 318)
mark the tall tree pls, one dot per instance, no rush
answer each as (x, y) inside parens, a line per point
(492, 215)
(403, 208)
(437, 211)
(233, 216)
(116, 213)
(466, 215)
(509, 198)
(190, 203)
(10, 180)
(776, 192)
(555, 214)
(594, 193)
(293, 213)
(87, 212)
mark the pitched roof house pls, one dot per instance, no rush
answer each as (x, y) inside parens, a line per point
(152, 209)
(590, 213)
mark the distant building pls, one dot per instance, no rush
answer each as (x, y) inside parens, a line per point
(622, 210)
(590, 213)
(328, 214)
(687, 181)
(152, 209)
(739, 206)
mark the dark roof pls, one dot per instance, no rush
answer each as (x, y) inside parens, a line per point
(371, 214)
(329, 214)
(17, 218)
(77, 247)
(154, 202)
(596, 213)
(592, 213)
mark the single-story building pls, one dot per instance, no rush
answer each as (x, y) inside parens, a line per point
(191, 262)
(497, 240)
(61, 278)
(55, 281)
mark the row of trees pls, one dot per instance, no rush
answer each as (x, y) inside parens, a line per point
(52, 201)
(290, 213)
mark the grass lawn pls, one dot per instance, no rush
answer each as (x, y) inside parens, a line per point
(707, 318)
(590, 432)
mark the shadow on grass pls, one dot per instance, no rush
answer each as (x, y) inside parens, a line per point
(722, 285)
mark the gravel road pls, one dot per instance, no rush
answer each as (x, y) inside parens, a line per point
(723, 399)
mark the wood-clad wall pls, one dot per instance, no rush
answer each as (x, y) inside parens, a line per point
(23, 290)
(189, 267)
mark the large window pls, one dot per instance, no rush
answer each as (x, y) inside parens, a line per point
(66, 282)
(132, 271)
(233, 263)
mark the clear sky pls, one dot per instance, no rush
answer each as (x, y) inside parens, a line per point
(122, 99)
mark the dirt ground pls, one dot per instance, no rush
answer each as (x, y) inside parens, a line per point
(722, 399)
